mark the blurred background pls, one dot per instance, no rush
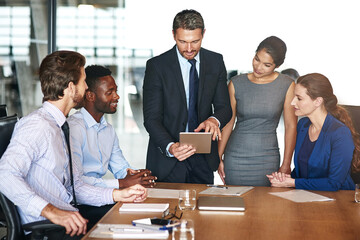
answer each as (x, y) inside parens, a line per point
(321, 36)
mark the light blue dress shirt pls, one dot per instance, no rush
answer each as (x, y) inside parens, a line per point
(95, 148)
(34, 168)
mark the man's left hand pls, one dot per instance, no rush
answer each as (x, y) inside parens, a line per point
(210, 125)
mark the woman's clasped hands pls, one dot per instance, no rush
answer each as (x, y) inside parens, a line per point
(279, 179)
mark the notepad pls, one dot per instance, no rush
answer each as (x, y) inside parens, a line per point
(121, 231)
(144, 207)
(163, 193)
(221, 203)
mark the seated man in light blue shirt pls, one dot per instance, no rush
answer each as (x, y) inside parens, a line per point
(94, 143)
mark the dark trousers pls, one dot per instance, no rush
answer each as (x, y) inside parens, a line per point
(91, 213)
(195, 169)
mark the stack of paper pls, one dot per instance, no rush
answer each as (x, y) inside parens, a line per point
(121, 231)
(144, 207)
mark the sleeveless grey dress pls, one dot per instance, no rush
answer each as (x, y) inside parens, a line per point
(252, 150)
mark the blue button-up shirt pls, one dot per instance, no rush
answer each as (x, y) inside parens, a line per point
(34, 168)
(95, 148)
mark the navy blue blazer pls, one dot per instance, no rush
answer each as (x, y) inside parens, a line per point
(330, 162)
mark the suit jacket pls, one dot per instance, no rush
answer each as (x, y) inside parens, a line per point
(165, 107)
(330, 161)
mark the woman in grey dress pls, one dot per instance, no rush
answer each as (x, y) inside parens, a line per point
(257, 99)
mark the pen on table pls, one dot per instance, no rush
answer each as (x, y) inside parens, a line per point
(112, 229)
(216, 186)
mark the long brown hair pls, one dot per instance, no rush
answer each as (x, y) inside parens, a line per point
(317, 85)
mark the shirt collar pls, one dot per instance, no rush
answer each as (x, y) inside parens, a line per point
(90, 121)
(184, 60)
(55, 113)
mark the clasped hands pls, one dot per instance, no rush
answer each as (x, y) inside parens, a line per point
(182, 152)
(279, 179)
(142, 177)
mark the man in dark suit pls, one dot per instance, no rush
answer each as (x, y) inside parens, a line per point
(184, 90)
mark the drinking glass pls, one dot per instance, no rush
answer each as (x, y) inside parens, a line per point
(185, 231)
(357, 193)
(187, 199)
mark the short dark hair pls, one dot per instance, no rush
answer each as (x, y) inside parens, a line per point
(275, 47)
(291, 72)
(93, 73)
(188, 19)
(57, 70)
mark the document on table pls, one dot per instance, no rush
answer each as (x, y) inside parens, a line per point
(121, 231)
(163, 193)
(232, 191)
(144, 207)
(301, 196)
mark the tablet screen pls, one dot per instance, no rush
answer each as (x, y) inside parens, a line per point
(200, 140)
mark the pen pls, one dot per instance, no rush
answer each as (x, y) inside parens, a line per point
(112, 229)
(216, 186)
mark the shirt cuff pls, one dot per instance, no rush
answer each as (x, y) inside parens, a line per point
(112, 183)
(216, 120)
(167, 150)
(108, 196)
(36, 205)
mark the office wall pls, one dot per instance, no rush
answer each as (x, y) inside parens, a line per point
(322, 36)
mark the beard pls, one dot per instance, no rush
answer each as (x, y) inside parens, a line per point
(78, 99)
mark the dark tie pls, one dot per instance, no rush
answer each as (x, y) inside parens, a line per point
(65, 128)
(193, 95)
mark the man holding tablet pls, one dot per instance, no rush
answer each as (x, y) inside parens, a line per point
(184, 91)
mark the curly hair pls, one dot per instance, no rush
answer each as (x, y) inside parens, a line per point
(93, 73)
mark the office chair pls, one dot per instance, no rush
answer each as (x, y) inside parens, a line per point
(3, 110)
(9, 211)
(354, 112)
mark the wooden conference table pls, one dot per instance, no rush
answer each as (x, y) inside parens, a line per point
(266, 216)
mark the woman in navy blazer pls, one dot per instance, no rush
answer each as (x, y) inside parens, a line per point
(326, 145)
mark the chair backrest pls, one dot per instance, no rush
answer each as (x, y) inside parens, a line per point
(3, 110)
(13, 222)
(7, 125)
(354, 112)
(8, 209)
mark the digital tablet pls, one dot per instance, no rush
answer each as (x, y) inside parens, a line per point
(200, 140)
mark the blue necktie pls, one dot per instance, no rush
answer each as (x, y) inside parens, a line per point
(193, 96)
